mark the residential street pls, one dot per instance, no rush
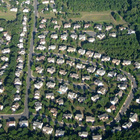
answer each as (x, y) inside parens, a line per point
(26, 110)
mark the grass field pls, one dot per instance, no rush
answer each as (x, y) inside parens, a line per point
(98, 17)
(8, 15)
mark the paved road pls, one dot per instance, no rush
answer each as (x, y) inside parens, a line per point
(26, 110)
(129, 98)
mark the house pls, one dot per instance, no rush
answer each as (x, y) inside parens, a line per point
(112, 107)
(57, 27)
(67, 116)
(5, 51)
(108, 28)
(81, 99)
(38, 84)
(122, 86)
(51, 70)
(1, 107)
(95, 98)
(112, 35)
(1, 29)
(72, 95)
(82, 37)
(120, 93)
(8, 37)
(11, 123)
(114, 100)
(89, 53)
(121, 78)
(25, 10)
(83, 134)
(21, 39)
(27, 2)
(87, 26)
(50, 96)
(54, 111)
(127, 125)
(81, 51)
(102, 90)
(91, 69)
(41, 47)
(59, 133)
(103, 117)
(38, 106)
(71, 63)
(15, 106)
(20, 65)
(138, 100)
(90, 119)
(62, 72)
(41, 36)
(71, 49)
(62, 48)
(13, 9)
(60, 61)
(97, 55)
(39, 69)
(1, 89)
(63, 89)
(20, 45)
(60, 101)
(122, 28)
(43, 20)
(4, 66)
(0, 125)
(4, 58)
(101, 36)
(37, 125)
(79, 117)
(98, 82)
(51, 60)
(91, 39)
(67, 25)
(137, 65)
(111, 74)
(50, 84)
(97, 137)
(54, 21)
(115, 129)
(130, 31)
(17, 97)
(47, 130)
(40, 58)
(17, 81)
(105, 58)
(42, 41)
(37, 94)
(126, 62)
(23, 123)
(80, 66)
(76, 26)
(133, 117)
(54, 36)
(21, 51)
(20, 59)
(74, 75)
(100, 72)
(86, 77)
(73, 36)
(41, 26)
(99, 27)
(64, 36)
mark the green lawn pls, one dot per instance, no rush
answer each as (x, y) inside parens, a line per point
(8, 15)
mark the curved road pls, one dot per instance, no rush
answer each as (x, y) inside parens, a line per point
(26, 110)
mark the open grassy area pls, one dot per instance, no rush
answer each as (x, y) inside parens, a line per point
(49, 15)
(8, 15)
(98, 17)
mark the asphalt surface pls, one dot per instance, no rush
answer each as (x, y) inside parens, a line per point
(129, 97)
(26, 110)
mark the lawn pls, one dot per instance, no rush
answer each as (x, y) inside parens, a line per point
(98, 17)
(8, 15)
